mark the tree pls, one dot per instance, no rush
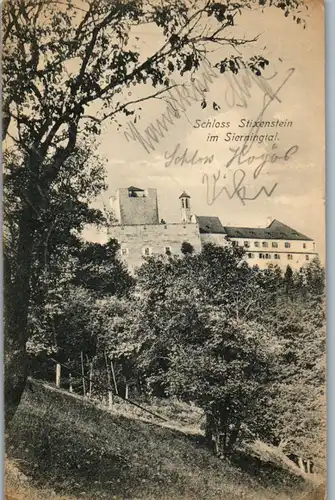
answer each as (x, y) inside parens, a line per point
(55, 72)
(187, 248)
(295, 417)
(101, 270)
(61, 216)
(195, 334)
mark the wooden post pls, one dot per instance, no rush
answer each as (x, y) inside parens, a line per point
(110, 393)
(308, 466)
(83, 372)
(58, 372)
(301, 464)
(110, 400)
(70, 383)
(114, 378)
(91, 378)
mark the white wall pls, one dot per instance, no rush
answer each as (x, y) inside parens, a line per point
(135, 238)
(297, 255)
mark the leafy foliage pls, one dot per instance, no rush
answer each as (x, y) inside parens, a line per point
(233, 340)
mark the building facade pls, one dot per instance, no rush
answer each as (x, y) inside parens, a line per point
(141, 233)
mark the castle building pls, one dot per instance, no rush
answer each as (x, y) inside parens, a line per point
(141, 233)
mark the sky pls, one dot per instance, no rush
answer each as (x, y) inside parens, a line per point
(298, 198)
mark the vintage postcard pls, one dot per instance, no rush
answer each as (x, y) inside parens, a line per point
(164, 249)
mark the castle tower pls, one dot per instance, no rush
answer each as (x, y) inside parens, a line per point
(134, 205)
(185, 205)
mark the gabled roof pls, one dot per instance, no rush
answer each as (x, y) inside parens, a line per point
(275, 231)
(292, 234)
(184, 195)
(210, 225)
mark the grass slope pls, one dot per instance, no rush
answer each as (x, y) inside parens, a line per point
(70, 448)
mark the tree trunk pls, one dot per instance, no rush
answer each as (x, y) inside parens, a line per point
(234, 433)
(16, 305)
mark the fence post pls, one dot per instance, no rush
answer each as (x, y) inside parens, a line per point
(110, 393)
(91, 378)
(114, 378)
(83, 372)
(58, 373)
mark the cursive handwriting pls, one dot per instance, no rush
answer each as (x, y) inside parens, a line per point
(180, 97)
(243, 156)
(261, 160)
(269, 96)
(239, 190)
(187, 158)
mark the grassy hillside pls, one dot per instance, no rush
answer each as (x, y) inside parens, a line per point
(69, 448)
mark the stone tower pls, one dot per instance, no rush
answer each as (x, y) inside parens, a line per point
(185, 205)
(135, 206)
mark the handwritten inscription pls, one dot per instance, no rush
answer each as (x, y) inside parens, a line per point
(186, 158)
(180, 97)
(242, 156)
(261, 160)
(239, 190)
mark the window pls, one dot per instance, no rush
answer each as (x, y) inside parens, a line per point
(265, 244)
(287, 244)
(247, 244)
(277, 256)
(251, 255)
(124, 251)
(235, 243)
(187, 203)
(267, 256)
(183, 202)
(290, 256)
(167, 250)
(146, 251)
(256, 243)
(304, 245)
(274, 244)
(307, 257)
(261, 256)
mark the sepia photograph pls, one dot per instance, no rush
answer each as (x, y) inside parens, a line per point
(164, 249)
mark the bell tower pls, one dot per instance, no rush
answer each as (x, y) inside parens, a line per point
(185, 205)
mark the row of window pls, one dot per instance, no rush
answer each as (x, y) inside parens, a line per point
(276, 256)
(146, 251)
(265, 244)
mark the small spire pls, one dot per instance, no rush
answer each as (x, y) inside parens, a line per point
(184, 195)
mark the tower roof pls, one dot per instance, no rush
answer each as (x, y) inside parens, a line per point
(133, 188)
(184, 195)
